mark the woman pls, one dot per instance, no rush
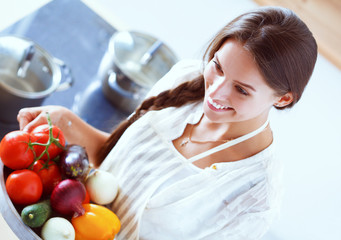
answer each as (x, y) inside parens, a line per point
(196, 161)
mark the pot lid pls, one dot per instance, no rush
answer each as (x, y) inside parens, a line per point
(26, 70)
(13, 47)
(143, 58)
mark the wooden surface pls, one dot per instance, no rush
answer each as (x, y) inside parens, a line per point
(323, 17)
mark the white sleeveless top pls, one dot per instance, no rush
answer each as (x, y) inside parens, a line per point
(164, 196)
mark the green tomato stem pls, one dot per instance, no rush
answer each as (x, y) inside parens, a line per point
(51, 140)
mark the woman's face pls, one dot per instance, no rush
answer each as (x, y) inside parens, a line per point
(235, 90)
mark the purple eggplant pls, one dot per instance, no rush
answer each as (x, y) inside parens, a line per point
(74, 162)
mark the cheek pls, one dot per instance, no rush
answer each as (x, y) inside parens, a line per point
(241, 105)
(208, 75)
(253, 106)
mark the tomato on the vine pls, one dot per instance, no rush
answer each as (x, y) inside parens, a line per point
(87, 197)
(15, 152)
(40, 134)
(49, 174)
(24, 187)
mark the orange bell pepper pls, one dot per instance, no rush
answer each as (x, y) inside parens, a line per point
(97, 223)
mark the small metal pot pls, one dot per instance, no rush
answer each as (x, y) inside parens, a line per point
(133, 63)
(28, 74)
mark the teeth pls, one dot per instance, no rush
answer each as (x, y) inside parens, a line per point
(216, 105)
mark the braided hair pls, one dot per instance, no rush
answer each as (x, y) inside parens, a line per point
(186, 92)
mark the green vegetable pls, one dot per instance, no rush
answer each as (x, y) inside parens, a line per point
(35, 215)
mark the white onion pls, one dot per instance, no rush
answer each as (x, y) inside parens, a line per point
(58, 228)
(102, 187)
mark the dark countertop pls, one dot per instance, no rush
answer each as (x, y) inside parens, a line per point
(72, 32)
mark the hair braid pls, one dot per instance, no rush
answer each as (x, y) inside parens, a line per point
(186, 92)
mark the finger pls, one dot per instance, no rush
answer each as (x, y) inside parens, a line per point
(41, 119)
(27, 115)
(24, 117)
(22, 123)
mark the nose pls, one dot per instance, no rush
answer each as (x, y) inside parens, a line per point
(219, 88)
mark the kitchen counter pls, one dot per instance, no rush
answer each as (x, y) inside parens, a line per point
(74, 33)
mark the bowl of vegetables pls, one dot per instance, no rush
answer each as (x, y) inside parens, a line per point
(49, 190)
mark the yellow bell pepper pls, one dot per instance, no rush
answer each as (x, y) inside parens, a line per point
(97, 223)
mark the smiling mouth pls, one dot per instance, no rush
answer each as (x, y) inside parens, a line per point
(216, 105)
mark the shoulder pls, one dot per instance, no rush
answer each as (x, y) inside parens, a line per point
(184, 70)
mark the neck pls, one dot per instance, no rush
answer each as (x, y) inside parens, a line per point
(228, 130)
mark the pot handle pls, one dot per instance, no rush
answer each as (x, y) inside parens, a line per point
(112, 81)
(66, 74)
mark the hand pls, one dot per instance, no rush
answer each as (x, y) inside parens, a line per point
(76, 131)
(29, 118)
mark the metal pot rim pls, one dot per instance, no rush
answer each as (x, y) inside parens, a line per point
(129, 74)
(56, 74)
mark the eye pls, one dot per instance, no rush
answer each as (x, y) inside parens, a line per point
(217, 66)
(242, 91)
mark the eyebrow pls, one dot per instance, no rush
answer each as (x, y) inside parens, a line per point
(240, 83)
(246, 85)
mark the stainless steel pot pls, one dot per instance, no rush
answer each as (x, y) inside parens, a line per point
(133, 63)
(28, 74)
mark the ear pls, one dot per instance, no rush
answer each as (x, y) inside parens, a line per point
(284, 100)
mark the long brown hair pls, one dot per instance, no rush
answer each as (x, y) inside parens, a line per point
(283, 48)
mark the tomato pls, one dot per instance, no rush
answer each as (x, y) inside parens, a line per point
(49, 174)
(24, 187)
(14, 150)
(87, 197)
(40, 134)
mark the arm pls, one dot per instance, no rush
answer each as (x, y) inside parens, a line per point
(75, 130)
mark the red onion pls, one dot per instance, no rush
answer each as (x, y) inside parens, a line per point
(67, 197)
